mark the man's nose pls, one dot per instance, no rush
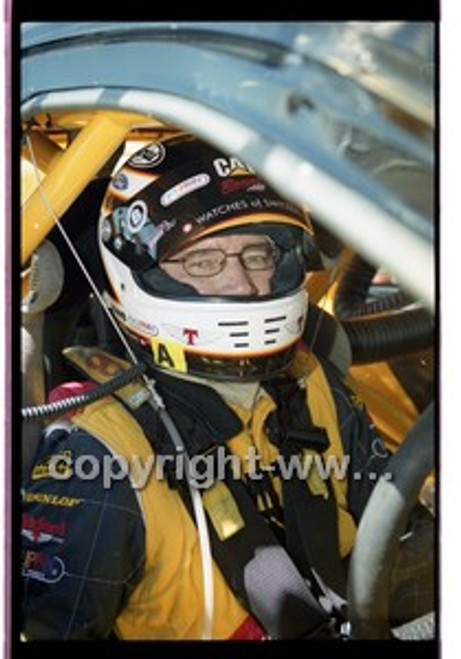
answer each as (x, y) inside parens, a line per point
(237, 280)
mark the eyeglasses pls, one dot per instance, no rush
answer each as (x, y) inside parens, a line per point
(210, 262)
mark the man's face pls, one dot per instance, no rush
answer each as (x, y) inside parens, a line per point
(233, 278)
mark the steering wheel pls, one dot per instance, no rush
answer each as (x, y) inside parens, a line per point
(384, 522)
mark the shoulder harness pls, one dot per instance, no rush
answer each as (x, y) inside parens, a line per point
(282, 582)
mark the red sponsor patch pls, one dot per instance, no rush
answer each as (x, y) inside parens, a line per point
(234, 184)
(39, 529)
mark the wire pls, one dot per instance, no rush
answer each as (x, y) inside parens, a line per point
(202, 527)
(158, 405)
(76, 255)
(51, 409)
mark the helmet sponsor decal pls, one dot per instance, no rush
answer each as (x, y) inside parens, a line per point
(237, 176)
(241, 206)
(120, 181)
(184, 188)
(168, 354)
(225, 167)
(250, 183)
(222, 209)
(127, 318)
(125, 185)
(149, 157)
(142, 326)
(190, 336)
(136, 216)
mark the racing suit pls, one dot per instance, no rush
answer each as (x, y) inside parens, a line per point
(102, 556)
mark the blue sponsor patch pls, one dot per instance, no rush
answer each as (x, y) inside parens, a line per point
(42, 566)
(120, 182)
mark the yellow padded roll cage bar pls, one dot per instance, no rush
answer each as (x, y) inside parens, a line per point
(68, 171)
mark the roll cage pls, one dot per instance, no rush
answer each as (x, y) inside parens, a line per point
(338, 117)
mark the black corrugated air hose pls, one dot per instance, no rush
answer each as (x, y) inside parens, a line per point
(105, 389)
(381, 338)
(383, 328)
(350, 298)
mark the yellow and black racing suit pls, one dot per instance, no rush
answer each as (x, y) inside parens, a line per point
(101, 556)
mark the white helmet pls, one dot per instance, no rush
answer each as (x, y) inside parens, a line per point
(167, 196)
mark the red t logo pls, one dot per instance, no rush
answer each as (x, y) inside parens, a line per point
(190, 335)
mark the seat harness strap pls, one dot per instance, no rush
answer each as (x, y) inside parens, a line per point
(282, 586)
(259, 571)
(310, 511)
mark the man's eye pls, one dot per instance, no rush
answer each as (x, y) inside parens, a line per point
(202, 264)
(256, 258)
(203, 261)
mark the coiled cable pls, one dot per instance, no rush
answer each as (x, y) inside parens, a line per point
(73, 402)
